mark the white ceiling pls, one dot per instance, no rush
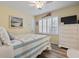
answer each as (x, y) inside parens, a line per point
(23, 6)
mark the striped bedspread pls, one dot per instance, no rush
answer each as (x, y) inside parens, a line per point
(30, 46)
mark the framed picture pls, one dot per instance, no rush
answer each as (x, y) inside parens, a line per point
(16, 21)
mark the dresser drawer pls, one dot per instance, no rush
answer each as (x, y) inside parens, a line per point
(67, 45)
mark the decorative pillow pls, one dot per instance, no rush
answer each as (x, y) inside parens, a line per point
(4, 36)
(0, 42)
(11, 36)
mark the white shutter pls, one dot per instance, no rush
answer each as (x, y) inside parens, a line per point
(40, 26)
(44, 25)
(54, 27)
(48, 25)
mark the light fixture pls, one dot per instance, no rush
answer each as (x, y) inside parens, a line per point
(38, 4)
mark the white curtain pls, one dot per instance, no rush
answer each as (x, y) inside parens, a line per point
(33, 25)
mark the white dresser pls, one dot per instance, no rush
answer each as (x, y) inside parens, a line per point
(69, 36)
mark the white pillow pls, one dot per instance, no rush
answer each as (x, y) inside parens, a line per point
(4, 36)
(11, 36)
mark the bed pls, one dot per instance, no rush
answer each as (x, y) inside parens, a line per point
(28, 46)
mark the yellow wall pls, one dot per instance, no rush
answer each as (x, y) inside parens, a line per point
(68, 11)
(6, 11)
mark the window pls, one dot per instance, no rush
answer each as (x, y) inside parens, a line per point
(48, 25)
(54, 25)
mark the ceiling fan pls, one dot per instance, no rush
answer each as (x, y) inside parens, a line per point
(38, 4)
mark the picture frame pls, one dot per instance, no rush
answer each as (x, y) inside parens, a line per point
(16, 22)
